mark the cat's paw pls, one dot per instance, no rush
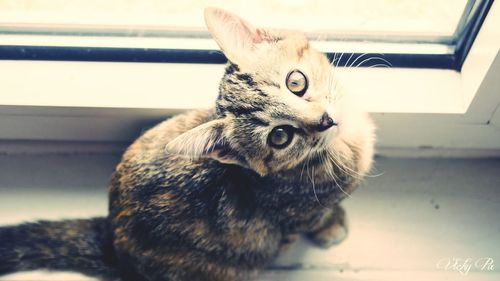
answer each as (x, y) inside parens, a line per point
(332, 235)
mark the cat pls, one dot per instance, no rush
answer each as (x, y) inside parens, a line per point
(218, 193)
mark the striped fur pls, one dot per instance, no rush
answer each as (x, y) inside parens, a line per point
(202, 196)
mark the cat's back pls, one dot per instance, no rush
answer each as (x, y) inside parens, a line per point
(153, 142)
(150, 180)
(148, 158)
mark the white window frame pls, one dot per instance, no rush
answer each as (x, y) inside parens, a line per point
(109, 101)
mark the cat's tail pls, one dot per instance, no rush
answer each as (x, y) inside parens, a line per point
(72, 245)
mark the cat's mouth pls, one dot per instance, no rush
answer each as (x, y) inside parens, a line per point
(322, 140)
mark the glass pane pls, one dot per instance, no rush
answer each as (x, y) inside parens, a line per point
(358, 18)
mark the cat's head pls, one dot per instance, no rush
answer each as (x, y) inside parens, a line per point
(276, 105)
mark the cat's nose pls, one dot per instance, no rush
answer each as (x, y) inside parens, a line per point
(325, 122)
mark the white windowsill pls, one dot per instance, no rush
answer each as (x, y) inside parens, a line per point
(411, 214)
(187, 86)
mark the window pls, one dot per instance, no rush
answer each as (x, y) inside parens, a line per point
(74, 70)
(405, 33)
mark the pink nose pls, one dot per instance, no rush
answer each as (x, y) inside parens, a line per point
(325, 123)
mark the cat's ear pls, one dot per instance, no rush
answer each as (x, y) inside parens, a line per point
(235, 36)
(206, 140)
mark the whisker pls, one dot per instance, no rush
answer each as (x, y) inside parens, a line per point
(333, 66)
(334, 178)
(373, 58)
(343, 168)
(311, 179)
(343, 191)
(314, 188)
(350, 57)
(334, 60)
(378, 174)
(379, 65)
(340, 58)
(302, 170)
(375, 176)
(350, 171)
(360, 56)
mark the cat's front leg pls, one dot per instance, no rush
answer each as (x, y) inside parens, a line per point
(331, 229)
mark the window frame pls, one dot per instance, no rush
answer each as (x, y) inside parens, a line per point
(452, 56)
(75, 102)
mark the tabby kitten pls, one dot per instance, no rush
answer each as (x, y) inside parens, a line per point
(215, 194)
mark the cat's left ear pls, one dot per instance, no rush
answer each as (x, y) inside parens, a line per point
(206, 140)
(235, 36)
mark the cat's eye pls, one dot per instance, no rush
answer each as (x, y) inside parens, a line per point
(296, 82)
(281, 136)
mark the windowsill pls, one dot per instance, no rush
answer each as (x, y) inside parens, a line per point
(412, 214)
(187, 86)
